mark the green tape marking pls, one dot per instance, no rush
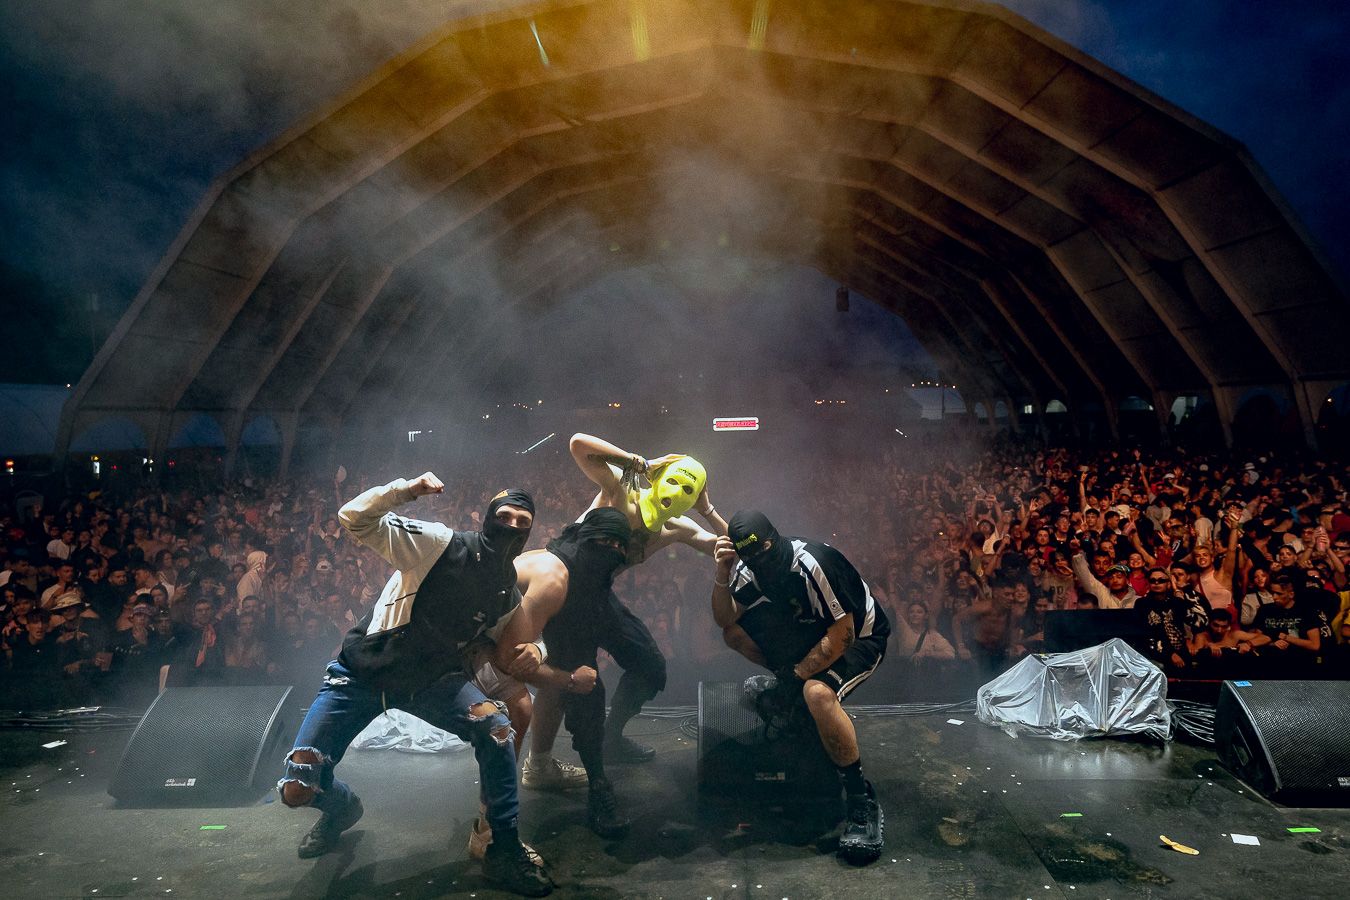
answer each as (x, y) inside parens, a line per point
(213, 828)
(1305, 831)
(1071, 815)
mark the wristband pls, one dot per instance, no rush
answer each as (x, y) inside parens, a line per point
(725, 584)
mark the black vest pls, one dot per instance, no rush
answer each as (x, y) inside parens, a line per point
(463, 595)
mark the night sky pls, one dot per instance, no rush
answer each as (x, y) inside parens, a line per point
(121, 112)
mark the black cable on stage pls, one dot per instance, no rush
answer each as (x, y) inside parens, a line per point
(880, 710)
(689, 726)
(83, 718)
(1196, 719)
(892, 710)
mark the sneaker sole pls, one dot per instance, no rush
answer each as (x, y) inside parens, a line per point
(554, 785)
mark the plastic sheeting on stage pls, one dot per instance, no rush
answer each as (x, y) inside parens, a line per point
(395, 729)
(1102, 691)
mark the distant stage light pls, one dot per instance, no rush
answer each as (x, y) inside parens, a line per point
(536, 443)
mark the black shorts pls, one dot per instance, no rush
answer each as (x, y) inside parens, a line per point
(853, 668)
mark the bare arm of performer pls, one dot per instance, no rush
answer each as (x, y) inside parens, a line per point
(837, 639)
(542, 578)
(684, 530)
(707, 541)
(605, 464)
(724, 608)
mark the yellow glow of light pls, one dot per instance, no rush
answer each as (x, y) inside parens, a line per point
(642, 44)
(759, 24)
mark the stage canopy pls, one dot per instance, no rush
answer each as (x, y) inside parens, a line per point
(1049, 230)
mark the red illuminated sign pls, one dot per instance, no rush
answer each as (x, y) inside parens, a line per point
(740, 423)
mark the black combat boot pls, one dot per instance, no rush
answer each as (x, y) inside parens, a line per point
(602, 813)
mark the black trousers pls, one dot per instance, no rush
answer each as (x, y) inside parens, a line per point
(573, 637)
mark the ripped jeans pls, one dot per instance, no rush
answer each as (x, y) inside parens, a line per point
(344, 707)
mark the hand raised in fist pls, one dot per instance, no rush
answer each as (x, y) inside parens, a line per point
(424, 484)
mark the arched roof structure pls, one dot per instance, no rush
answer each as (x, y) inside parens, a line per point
(1047, 228)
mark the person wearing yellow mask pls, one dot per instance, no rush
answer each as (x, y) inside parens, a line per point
(656, 514)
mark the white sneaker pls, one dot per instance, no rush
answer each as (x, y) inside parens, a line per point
(481, 835)
(551, 774)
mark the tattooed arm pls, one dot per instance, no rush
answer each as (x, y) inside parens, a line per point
(832, 646)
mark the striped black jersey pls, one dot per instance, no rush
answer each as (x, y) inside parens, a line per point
(789, 616)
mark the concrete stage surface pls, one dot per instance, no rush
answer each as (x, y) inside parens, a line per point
(969, 812)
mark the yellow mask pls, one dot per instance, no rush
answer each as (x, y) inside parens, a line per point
(675, 487)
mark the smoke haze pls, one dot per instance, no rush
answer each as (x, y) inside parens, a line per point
(126, 111)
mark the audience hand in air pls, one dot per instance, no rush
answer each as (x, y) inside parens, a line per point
(426, 483)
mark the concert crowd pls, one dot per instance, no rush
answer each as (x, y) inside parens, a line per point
(1219, 567)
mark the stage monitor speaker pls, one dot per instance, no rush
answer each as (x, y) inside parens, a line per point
(736, 759)
(1289, 740)
(207, 746)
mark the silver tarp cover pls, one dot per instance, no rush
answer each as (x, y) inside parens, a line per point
(395, 729)
(1105, 690)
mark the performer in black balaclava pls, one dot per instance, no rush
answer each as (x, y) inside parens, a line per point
(799, 608)
(449, 588)
(566, 598)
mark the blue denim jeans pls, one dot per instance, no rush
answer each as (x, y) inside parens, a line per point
(345, 706)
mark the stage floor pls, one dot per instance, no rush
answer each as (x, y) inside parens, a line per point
(969, 811)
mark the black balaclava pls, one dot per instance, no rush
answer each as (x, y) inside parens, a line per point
(503, 542)
(749, 529)
(600, 524)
